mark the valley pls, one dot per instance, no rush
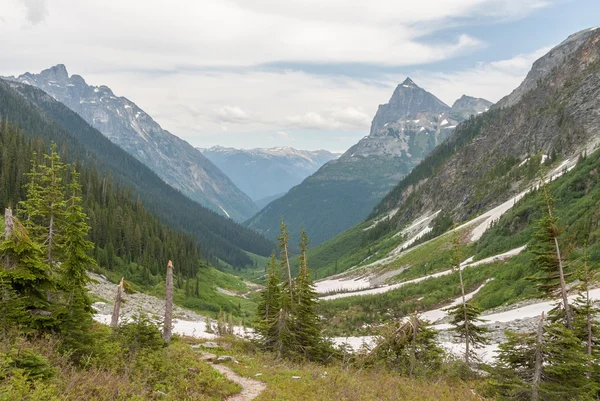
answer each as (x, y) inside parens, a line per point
(450, 253)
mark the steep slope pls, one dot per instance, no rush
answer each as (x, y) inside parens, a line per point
(344, 191)
(264, 173)
(484, 161)
(38, 114)
(174, 160)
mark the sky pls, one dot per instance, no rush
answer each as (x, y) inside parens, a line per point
(303, 73)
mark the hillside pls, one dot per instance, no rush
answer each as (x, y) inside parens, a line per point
(38, 114)
(344, 191)
(480, 165)
(174, 160)
(267, 173)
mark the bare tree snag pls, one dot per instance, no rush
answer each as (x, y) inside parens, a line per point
(9, 226)
(114, 321)
(168, 304)
(537, 374)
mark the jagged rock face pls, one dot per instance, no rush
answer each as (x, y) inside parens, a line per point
(344, 191)
(544, 66)
(265, 173)
(482, 163)
(414, 122)
(407, 99)
(467, 106)
(174, 160)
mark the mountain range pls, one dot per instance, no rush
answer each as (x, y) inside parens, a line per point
(43, 119)
(266, 174)
(174, 160)
(344, 191)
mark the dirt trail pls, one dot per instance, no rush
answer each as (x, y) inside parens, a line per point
(250, 388)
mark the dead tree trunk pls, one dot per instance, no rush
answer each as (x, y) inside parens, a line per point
(9, 226)
(114, 321)
(168, 304)
(537, 374)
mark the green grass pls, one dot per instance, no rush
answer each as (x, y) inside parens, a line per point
(338, 381)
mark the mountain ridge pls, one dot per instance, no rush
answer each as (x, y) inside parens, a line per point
(176, 161)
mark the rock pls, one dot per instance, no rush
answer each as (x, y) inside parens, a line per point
(227, 358)
(296, 378)
(258, 375)
(210, 345)
(208, 357)
(195, 346)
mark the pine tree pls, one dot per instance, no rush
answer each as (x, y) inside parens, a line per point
(76, 314)
(307, 324)
(284, 257)
(465, 315)
(586, 326)
(548, 365)
(269, 305)
(24, 277)
(549, 260)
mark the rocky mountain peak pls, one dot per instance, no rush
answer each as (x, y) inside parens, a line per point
(408, 99)
(466, 106)
(56, 73)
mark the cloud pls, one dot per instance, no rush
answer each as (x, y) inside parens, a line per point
(36, 10)
(332, 119)
(232, 114)
(492, 80)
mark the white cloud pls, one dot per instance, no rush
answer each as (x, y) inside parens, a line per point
(492, 80)
(232, 114)
(193, 65)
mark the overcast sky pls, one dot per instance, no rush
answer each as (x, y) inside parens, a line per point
(304, 73)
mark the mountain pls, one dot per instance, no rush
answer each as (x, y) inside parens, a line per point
(174, 160)
(551, 117)
(265, 173)
(344, 191)
(42, 117)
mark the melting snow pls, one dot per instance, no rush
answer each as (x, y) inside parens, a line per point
(444, 122)
(224, 211)
(422, 129)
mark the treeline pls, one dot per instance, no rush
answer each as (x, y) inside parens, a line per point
(43, 120)
(127, 237)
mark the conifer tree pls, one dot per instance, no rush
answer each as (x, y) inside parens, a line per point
(548, 365)
(586, 326)
(76, 314)
(465, 315)
(25, 277)
(284, 256)
(269, 305)
(307, 322)
(548, 259)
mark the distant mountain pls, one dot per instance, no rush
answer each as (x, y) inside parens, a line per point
(42, 117)
(344, 191)
(174, 160)
(264, 173)
(552, 117)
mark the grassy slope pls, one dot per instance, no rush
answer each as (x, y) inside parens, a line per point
(338, 382)
(577, 196)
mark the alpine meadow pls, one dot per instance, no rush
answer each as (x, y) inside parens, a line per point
(298, 201)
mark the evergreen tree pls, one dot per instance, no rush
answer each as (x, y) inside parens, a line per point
(284, 256)
(307, 322)
(75, 248)
(24, 278)
(548, 259)
(269, 305)
(586, 327)
(548, 365)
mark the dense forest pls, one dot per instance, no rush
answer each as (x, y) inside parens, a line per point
(42, 119)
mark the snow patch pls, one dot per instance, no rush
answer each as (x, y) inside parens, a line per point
(445, 122)
(224, 211)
